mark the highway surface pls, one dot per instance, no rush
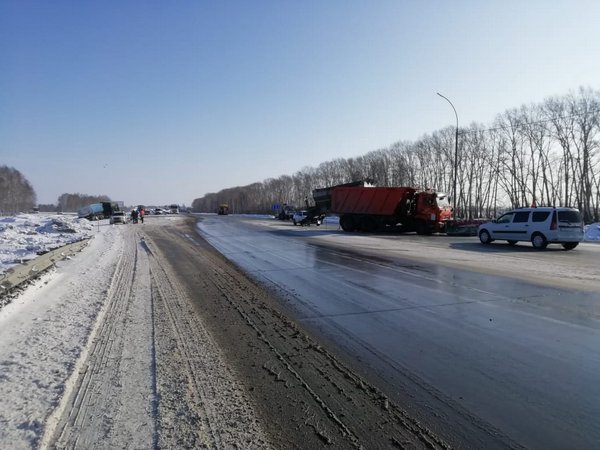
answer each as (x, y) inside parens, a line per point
(475, 341)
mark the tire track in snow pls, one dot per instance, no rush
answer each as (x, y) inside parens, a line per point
(113, 381)
(151, 376)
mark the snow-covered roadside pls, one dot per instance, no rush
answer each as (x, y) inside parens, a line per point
(25, 236)
(44, 331)
(592, 233)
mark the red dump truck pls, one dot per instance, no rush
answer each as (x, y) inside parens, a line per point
(362, 207)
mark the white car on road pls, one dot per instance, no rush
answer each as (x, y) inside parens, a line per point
(540, 226)
(118, 217)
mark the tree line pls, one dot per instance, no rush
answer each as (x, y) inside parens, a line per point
(73, 202)
(544, 154)
(17, 195)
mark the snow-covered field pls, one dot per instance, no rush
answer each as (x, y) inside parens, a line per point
(27, 235)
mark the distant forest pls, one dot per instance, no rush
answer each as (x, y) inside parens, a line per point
(17, 195)
(542, 154)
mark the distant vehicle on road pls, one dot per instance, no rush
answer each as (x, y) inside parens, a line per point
(286, 213)
(118, 217)
(541, 226)
(173, 209)
(92, 212)
(304, 218)
(97, 211)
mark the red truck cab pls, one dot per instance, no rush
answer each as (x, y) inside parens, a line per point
(433, 210)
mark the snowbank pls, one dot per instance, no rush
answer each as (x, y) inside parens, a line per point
(27, 235)
(592, 232)
(43, 332)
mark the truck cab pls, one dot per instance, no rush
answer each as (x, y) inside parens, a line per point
(431, 211)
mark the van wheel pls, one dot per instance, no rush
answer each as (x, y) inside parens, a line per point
(484, 237)
(539, 241)
(570, 245)
(511, 243)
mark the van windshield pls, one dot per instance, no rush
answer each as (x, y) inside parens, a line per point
(569, 216)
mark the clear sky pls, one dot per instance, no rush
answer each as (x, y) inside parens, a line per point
(160, 102)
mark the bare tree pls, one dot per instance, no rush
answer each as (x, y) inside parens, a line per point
(16, 193)
(585, 109)
(547, 153)
(73, 202)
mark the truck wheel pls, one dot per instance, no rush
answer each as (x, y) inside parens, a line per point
(422, 229)
(347, 223)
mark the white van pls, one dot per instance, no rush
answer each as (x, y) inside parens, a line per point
(541, 226)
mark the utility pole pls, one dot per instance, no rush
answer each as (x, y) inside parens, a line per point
(455, 156)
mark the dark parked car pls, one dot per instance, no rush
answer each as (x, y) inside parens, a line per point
(304, 218)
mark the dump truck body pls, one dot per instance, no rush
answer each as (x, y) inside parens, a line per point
(369, 208)
(380, 201)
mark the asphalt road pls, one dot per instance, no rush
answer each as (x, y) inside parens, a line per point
(475, 341)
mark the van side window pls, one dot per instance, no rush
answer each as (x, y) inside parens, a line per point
(540, 216)
(522, 216)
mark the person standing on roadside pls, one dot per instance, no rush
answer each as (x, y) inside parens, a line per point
(142, 213)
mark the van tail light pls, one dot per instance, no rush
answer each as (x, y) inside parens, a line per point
(554, 223)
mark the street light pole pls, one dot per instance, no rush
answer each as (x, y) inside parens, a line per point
(455, 154)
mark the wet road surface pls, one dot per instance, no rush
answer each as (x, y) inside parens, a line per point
(478, 354)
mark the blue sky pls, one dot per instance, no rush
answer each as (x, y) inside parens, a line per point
(158, 102)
